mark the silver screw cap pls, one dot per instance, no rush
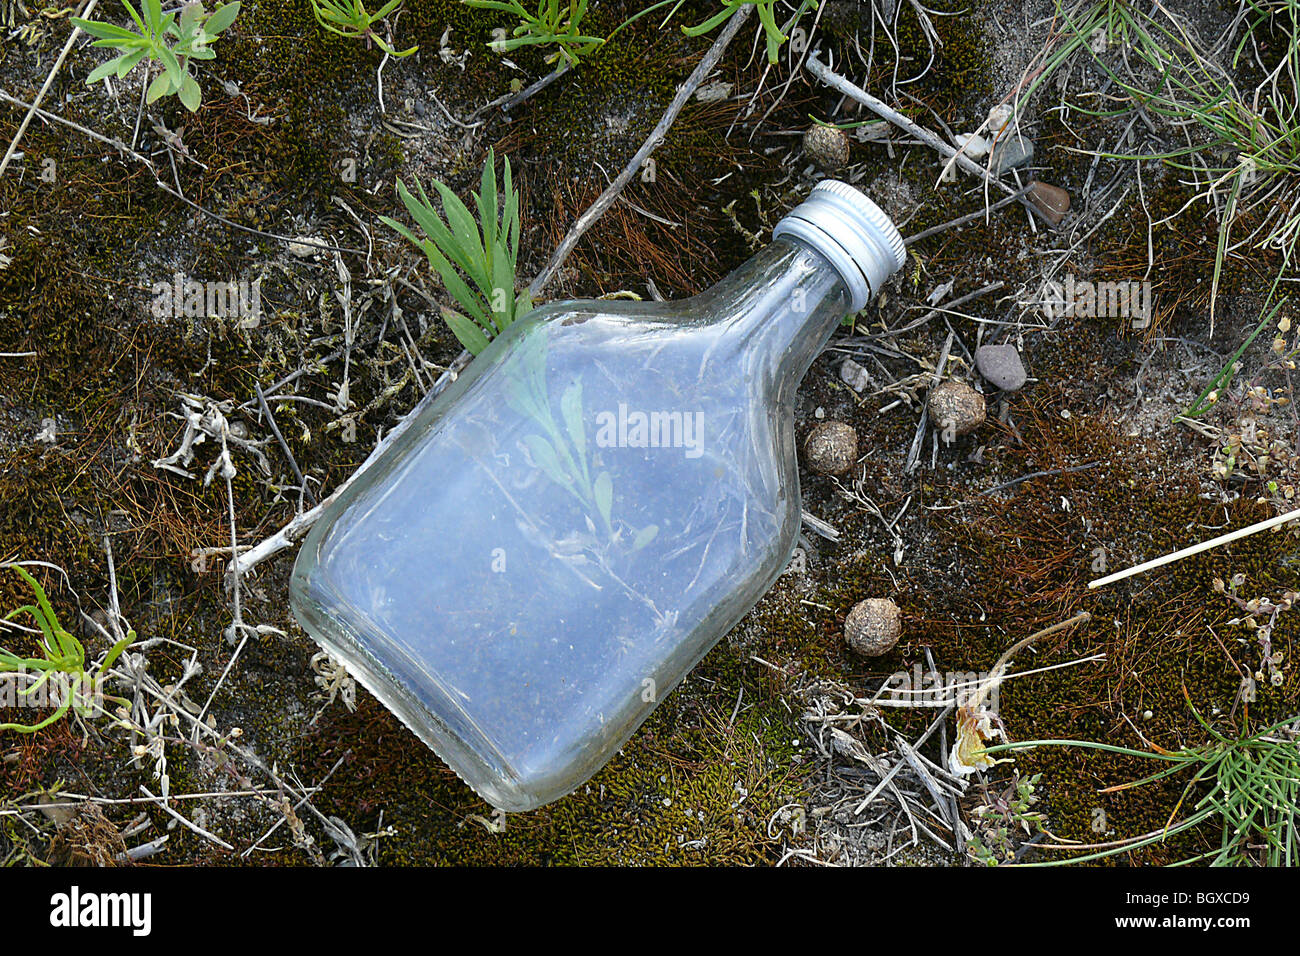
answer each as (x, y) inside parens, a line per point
(852, 232)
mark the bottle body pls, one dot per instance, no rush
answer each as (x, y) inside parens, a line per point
(561, 536)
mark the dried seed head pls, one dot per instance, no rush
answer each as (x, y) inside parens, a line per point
(826, 146)
(956, 409)
(873, 627)
(831, 448)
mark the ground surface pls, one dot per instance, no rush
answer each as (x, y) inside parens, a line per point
(727, 770)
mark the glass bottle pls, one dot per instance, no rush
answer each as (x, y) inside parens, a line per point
(563, 533)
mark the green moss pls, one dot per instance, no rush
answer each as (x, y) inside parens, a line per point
(690, 787)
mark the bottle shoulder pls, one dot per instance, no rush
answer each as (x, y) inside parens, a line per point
(568, 313)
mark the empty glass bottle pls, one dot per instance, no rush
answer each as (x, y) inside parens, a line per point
(609, 487)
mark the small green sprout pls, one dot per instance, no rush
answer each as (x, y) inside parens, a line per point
(165, 40)
(488, 258)
(556, 23)
(62, 655)
(349, 18)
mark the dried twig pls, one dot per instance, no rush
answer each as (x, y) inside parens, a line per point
(284, 446)
(914, 452)
(656, 137)
(1000, 668)
(45, 88)
(832, 79)
(969, 217)
(1198, 548)
(509, 101)
(186, 821)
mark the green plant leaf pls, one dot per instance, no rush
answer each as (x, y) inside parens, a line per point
(221, 18)
(105, 31)
(160, 87)
(545, 458)
(190, 94)
(128, 62)
(190, 14)
(571, 409)
(458, 288)
(106, 69)
(34, 728)
(385, 10)
(116, 650)
(454, 284)
(466, 234)
(153, 15)
(645, 536)
(487, 201)
(433, 226)
(722, 16)
(135, 16)
(175, 72)
(523, 304)
(477, 267)
(466, 332)
(603, 490)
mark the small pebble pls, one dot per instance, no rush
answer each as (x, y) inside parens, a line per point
(826, 146)
(873, 627)
(1011, 150)
(419, 108)
(831, 448)
(956, 408)
(854, 375)
(999, 117)
(1001, 365)
(972, 146)
(1052, 201)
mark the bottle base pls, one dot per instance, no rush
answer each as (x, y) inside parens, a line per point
(492, 782)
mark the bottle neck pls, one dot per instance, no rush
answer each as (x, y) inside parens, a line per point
(779, 309)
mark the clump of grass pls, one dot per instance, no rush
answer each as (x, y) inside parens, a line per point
(488, 258)
(1247, 154)
(62, 663)
(1253, 787)
(165, 40)
(1258, 130)
(349, 18)
(556, 23)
